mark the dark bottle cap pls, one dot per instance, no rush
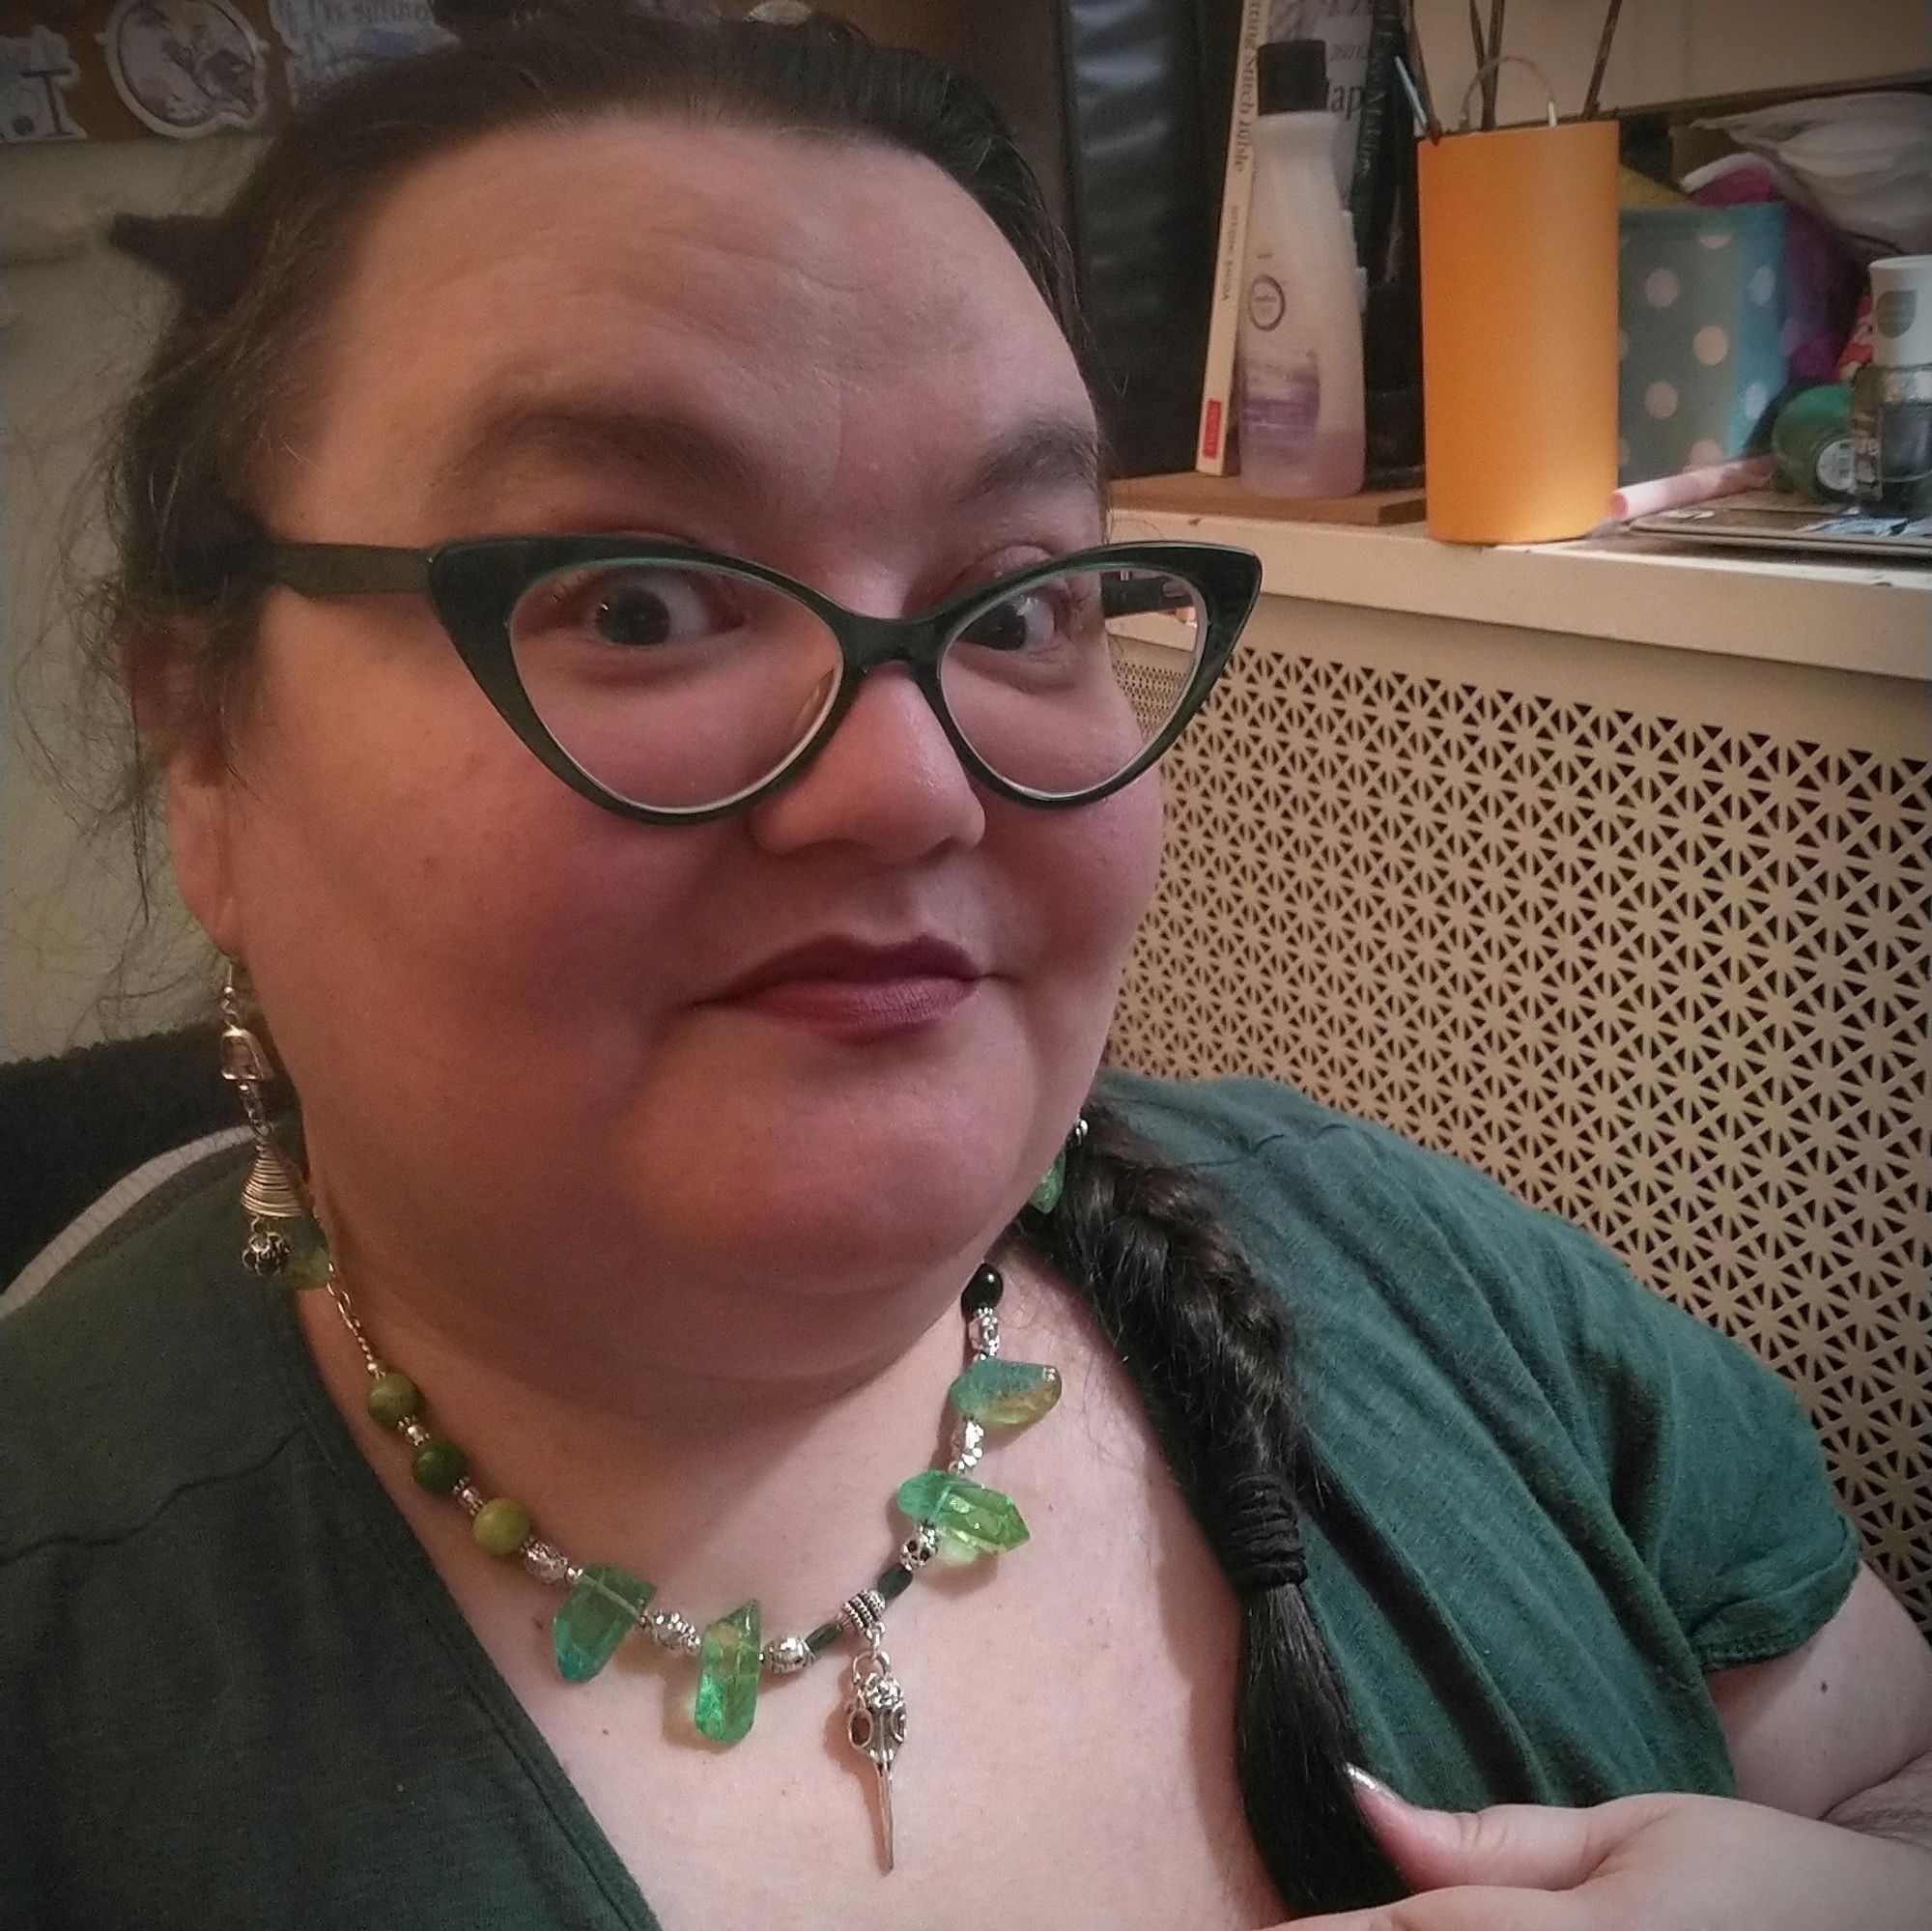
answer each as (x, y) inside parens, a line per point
(1291, 77)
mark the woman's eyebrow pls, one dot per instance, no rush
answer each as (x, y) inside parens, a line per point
(1048, 453)
(682, 450)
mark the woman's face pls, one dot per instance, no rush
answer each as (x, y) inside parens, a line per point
(509, 1013)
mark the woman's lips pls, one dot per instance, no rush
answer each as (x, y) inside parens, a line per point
(856, 1009)
(852, 990)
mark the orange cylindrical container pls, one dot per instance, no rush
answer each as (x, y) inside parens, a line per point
(1519, 232)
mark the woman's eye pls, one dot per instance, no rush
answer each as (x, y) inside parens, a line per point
(1025, 621)
(642, 607)
(632, 609)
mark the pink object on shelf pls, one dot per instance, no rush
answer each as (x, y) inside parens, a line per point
(1690, 486)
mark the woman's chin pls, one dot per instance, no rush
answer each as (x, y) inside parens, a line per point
(836, 1212)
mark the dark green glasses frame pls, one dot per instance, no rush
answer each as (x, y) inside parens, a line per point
(474, 586)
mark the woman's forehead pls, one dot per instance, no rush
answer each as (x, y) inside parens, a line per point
(827, 313)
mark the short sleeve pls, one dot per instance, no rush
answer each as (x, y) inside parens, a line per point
(1541, 1390)
(1714, 1468)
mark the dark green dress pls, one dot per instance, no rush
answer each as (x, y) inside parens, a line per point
(235, 1693)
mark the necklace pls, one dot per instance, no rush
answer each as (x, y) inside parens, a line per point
(954, 1519)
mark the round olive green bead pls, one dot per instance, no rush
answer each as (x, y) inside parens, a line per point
(439, 1465)
(393, 1399)
(500, 1527)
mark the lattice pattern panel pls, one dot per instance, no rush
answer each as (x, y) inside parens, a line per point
(1668, 980)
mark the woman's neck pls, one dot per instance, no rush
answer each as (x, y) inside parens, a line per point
(759, 1469)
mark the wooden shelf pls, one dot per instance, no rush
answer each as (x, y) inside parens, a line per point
(1835, 615)
(1191, 494)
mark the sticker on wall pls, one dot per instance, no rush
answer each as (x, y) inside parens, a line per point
(328, 39)
(185, 68)
(35, 72)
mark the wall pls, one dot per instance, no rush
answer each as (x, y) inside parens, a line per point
(1678, 49)
(75, 321)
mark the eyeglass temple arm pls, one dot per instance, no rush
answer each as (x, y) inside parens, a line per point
(341, 569)
(360, 569)
(1128, 595)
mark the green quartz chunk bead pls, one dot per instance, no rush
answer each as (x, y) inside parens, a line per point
(601, 1608)
(500, 1527)
(393, 1399)
(728, 1664)
(439, 1465)
(970, 1520)
(1004, 1394)
(308, 1254)
(1051, 1185)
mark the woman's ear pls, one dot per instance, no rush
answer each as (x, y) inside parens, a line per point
(198, 785)
(201, 799)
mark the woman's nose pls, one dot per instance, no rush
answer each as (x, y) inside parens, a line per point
(888, 781)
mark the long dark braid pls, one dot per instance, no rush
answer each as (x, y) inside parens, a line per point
(1209, 1349)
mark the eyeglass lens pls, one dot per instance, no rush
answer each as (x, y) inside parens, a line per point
(683, 687)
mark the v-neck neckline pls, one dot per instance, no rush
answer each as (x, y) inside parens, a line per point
(407, 1563)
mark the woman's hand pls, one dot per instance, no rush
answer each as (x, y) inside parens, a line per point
(1641, 1863)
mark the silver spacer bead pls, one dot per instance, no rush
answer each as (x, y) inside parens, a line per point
(674, 1630)
(919, 1548)
(787, 1656)
(414, 1432)
(547, 1562)
(468, 1497)
(864, 1613)
(986, 1335)
(969, 1444)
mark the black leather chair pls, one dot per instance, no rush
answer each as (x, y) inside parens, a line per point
(74, 1124)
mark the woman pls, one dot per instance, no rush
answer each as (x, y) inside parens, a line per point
(688, 971)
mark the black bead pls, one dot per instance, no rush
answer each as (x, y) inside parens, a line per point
(821, 1640)
(893, 1583)
(983, 1290)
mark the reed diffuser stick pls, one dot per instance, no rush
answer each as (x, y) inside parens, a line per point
(1495, 55)
(1604, 40)
(1419, 72)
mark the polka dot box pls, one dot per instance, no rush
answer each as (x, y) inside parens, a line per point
(1701, 354)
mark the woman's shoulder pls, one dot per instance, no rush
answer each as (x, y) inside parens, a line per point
(1289, 1165)
(1386, 1249)
(138, 1371)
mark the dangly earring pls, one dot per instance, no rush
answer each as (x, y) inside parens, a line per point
(284, 1236)
(1045, 1197)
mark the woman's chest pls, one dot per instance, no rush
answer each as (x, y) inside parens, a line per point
(1011, 1811)
(1069, 1760)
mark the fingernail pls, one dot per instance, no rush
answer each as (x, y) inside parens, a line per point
(1362, 1780)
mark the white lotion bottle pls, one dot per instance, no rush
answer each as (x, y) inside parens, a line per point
(1299, 360)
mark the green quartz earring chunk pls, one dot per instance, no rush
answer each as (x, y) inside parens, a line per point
(308, 1254)
(1004, 1394)
(728, 1664)
(1045, 1197)
(601, 1608)
(970, 1520)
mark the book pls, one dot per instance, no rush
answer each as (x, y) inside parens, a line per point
(1224, 316)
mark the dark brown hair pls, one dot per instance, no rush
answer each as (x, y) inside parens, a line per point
(1207, 1345)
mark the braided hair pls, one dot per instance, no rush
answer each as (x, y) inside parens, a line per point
(1209, 1349)
(1207, 1346)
